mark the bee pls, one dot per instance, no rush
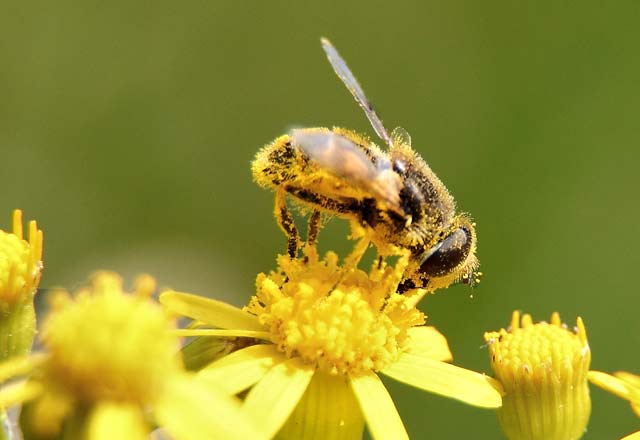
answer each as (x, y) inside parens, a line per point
(390, 192)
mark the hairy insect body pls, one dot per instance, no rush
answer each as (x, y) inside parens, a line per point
(393, 194)
(282, 164)
(418, 205)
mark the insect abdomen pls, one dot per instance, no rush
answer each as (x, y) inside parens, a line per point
(277, 163)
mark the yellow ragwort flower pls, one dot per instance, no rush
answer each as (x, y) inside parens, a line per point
(328, 330)
(624, 385)
(110, 370)
(543, 368)
(20, 270)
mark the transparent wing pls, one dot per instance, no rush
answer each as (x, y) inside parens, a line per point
(347, 161)
(343, 71)
(335, 153)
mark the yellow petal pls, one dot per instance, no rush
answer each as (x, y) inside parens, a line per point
(18, 393)
(189, 411)
(274, 398)
(328, 410)
(376, 404)
(610, 383)
(209, 311)
(630, 378)
(19, 366)
(445, 379)
(430, 343)
(111, 420)
(45, 416)
(634, 436)
(241, 369)
(250, 353)
(223, 333)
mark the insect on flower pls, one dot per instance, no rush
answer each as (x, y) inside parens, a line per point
(390, 192)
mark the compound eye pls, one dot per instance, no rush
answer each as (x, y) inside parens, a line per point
(450, 253)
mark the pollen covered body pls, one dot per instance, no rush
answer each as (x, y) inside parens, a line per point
(392, 194)
(395, 194)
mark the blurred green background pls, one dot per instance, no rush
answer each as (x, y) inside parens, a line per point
(127, 129)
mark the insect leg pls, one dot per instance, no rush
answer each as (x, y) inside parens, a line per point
(286, 223)
(356, 255)
(314, 227)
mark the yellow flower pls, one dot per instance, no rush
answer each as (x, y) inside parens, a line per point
(20, 270)
(328, 330)
(624, 385)
(110, 370)
(543, 368)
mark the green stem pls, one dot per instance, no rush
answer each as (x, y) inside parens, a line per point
(6, 433)
(17, 329)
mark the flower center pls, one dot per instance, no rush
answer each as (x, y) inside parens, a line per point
(339, 318)
(105, 344)
(528, 347)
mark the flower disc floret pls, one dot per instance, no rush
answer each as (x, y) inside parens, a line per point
(105, 344)
(20, 263)
(338, 318)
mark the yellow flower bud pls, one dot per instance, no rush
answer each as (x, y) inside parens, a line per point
(20, 270)
(543, 369)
